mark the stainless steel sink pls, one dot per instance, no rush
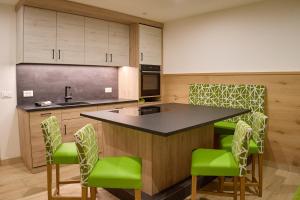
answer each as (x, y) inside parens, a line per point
(73, 103)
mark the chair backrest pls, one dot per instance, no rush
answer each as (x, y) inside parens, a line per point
(86, 143)
(259, 121)
(52, 137)
(240, 145)
(229, 96)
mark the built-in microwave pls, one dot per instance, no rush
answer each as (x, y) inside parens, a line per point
(150, 80)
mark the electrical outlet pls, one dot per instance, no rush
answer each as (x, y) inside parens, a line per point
(108, 90)
(27, 93)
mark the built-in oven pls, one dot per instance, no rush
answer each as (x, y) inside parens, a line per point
(150, 80)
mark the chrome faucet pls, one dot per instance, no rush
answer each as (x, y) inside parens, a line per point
(68, 96)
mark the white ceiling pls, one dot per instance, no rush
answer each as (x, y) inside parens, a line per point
(161, 10)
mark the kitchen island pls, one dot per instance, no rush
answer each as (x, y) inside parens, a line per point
(164, 136)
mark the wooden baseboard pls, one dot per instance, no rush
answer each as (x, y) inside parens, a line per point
(10, 161)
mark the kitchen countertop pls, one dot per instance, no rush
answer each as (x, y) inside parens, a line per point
(173, 118)
(32, 107)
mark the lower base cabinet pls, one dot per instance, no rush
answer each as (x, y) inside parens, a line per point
(31, 137)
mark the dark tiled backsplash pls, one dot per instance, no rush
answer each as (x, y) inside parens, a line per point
(48, 82)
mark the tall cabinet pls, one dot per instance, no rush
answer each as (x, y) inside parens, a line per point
(150, 45)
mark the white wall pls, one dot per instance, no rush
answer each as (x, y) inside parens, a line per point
(264, 36)
(9, 136)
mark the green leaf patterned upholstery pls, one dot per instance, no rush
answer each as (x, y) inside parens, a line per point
(211, 162)
(110, 172)
(256, 144)
(87, 148)
(52, 137)
(229, 96)
(259, 130)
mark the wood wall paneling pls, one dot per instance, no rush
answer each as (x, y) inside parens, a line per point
(282, 108)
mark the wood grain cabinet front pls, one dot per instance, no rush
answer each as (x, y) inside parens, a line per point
(36, 135)
(31, 137)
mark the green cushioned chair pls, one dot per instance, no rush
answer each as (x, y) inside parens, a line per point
(256, 146)
(57, 153)
(224, 128)
(109, 172)
(212, 162)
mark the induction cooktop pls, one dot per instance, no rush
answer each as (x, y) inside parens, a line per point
(145, 110)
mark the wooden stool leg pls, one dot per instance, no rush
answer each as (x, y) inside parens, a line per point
(93, 193)
(57, 179)
(253, 167)
(242, 188)
(221, 183)
(235, 188)
(84, 192)
(194, 187)
(137, 194)
(260, 172)
(49, 181)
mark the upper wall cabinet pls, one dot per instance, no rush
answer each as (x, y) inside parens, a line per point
(96, 41)
(150, 45)
(106, 43)
(118, 44)
(59, 38)
(70, 39)
(39, 38)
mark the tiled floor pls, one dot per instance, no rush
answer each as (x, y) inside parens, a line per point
(17, 183)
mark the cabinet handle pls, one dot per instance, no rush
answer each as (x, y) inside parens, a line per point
(45, 114)
(59, 54)
(111, 57)
(106, 57)
(53, 54)
(65, 127)
(142, 56)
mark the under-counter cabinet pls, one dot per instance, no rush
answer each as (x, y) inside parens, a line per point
(150, 45)
(31, 137)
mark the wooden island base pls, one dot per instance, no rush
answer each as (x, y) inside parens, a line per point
(166, 160)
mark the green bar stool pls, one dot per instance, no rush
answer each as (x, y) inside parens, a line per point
(109, 172)
(57, 153)
(212, 162)
(256, 148)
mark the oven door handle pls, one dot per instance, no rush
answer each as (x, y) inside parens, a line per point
(155, 72)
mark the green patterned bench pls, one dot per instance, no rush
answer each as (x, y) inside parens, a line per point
(229, 96)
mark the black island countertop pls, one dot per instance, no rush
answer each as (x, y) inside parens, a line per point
(168, 119)
(33, 107)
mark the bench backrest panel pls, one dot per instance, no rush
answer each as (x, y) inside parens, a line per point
(229, 96)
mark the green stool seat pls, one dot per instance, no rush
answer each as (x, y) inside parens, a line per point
(211, 162)
(66, 154)
(226, 144)
(116, 172)
(224, 128)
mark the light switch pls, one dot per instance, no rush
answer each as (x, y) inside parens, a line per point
(108, 90)
(27, 93)
(6, 94)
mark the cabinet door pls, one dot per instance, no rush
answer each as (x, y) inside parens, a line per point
(38, 151)
(118, 44)
(39, 35)
(150, 45)
(70, 39)
(71, 126)
(96, 42)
